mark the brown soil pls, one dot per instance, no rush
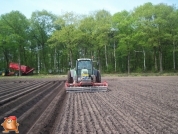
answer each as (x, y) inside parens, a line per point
(143, 105)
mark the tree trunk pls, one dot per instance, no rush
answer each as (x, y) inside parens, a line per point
(99, 60)
(6, 57)
(55, 58)
(106, 60)
(156, 65)
(114, 56)
(71, 59)
(58, 61)
(174, 61)
(128, 63)
(38, 59)
(91, 55)
(24, 58)
(144, 60)
(44, 58)
(19, 61)
(160, 60)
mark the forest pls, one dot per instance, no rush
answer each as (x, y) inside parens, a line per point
(144, 39)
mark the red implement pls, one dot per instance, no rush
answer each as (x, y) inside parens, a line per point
(83, 87)
(24, 69)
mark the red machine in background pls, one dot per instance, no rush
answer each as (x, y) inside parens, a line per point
(23, 69)
(14, 70)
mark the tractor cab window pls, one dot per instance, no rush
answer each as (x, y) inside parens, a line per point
(84, 64)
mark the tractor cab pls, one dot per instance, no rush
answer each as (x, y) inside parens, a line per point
(84, 67)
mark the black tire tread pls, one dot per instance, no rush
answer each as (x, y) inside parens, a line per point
(98, 77)
(69, 78)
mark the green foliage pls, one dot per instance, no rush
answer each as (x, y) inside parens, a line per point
(119, 40)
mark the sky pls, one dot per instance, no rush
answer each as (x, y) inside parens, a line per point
(58, 7)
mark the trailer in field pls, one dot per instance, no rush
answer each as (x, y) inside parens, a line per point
(14, 70)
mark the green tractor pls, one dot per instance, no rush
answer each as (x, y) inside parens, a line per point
(84, 77)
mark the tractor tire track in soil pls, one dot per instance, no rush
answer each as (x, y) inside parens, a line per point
(132, 105)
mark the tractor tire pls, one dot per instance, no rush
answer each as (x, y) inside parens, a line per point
(98, 77)
(69, 78)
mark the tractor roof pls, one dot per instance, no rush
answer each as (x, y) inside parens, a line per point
(83, 59)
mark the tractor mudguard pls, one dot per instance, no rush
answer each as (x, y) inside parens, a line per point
(73, 73)
(95, 72)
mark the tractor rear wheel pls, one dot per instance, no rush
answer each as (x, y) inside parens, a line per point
(98, 77)
(69, 78)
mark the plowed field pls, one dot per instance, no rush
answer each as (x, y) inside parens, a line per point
(132, 105)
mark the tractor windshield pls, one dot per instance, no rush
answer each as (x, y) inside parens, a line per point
(84, 64)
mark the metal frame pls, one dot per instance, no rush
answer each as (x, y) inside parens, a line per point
(78, 87)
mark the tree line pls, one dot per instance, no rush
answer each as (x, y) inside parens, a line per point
(142, 40)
